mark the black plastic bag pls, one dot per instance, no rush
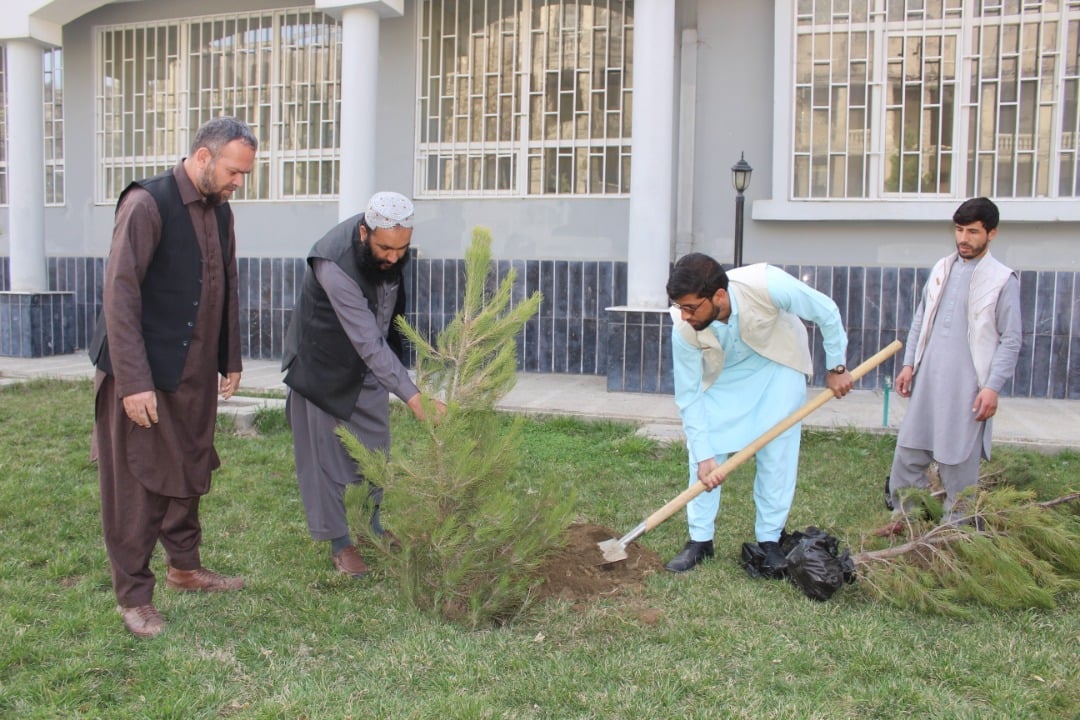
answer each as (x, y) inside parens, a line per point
(816, 566)
(756, 566)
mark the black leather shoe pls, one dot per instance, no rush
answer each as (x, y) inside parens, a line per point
(692, 555)
(774, 564)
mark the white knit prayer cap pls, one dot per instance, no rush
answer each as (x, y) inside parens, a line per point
(388, 210)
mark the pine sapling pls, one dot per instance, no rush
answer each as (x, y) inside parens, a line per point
(473, 525)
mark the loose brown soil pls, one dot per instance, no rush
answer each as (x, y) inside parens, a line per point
(578, 573)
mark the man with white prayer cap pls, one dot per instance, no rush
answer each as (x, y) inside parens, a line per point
(342, 357)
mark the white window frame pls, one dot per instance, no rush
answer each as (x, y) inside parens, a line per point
(783, 206)
(53, 66)
(273, 155)
(522, 149)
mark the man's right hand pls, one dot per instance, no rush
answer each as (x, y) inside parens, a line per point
(903, 382)
(142, 408)
(704, 469)
(417, 407)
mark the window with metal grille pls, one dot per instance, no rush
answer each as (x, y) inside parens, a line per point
(524, 97)
(54, 126)
(936, 98)
(279, 71)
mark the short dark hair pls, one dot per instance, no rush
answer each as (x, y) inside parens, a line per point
(219, 132)
(696, 274)
(978, 209)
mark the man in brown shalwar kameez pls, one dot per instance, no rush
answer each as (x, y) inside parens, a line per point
(169, 326)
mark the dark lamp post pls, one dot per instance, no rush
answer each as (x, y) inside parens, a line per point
(740, 179)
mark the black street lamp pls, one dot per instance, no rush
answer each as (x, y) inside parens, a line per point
(740, 178)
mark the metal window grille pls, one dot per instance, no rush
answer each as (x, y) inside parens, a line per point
(936, 97)
(524, 97)
(53, 71)
(279, 71)
(3, 128)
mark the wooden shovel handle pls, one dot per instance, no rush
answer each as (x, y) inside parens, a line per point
(750, 450)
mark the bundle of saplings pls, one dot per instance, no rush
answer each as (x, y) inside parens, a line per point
(1011, 551)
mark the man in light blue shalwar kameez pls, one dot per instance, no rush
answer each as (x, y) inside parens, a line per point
(741, 360)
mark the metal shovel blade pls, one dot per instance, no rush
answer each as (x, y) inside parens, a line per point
(614, 550)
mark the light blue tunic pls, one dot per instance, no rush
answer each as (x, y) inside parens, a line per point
(751, 394)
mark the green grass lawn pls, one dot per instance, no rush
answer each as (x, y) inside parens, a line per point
(303, 642)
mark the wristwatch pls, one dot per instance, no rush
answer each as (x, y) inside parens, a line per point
(839, 370)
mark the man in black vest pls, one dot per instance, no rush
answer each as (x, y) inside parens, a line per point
(342, 358)
(169, 327)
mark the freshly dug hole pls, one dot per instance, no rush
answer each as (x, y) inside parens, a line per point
(578, 573)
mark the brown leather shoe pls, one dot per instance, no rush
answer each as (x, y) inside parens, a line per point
(201, 579)
(349, 562)
(894, 527)
(142, 621)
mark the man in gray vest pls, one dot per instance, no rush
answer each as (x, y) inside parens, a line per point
(169, 329)
(342, 358)
(962, 349)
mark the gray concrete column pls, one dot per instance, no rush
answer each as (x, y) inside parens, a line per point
(359, 94)
(651, 176)
(26, 167)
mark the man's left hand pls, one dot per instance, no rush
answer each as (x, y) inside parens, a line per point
(839, 383)
(986, 403)
(229, 385)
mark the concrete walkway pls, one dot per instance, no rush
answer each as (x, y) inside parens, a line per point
(1044, 425)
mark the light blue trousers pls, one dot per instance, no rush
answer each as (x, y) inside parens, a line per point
(774, 490)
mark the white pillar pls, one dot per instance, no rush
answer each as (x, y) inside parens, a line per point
(649, 251)
(26, 167)
(359, 96)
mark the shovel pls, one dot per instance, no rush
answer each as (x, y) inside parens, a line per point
(614, 550)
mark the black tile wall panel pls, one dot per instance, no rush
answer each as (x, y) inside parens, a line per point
(616, 344)
(1029, 281)
(545, 345)
(1074, 369)
(1022, 374)
(590, 345)
(243, 282)
(873, 299)
(606, 288)
(573, 332)
(907, 298)
(667, 371)
(1059, 366)
(436, 287)
(1040, 366)
(1045, 295)
(632, 374)
(573, 345)
(1065, 297)
(890, 306)
(560, 344)
(839, 291)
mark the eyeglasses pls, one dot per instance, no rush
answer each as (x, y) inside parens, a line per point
(692, 309)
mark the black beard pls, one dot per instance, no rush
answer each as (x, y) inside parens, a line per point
(369, 266)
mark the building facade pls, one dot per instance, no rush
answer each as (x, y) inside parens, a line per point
(594, 138)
